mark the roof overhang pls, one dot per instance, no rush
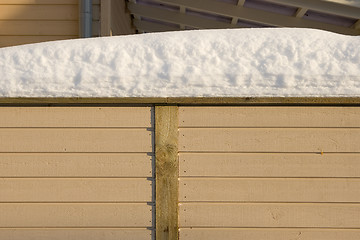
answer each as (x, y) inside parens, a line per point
(341, 16)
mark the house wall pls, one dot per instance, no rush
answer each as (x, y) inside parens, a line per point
(76, 173)
(31, 21)
(269, 173)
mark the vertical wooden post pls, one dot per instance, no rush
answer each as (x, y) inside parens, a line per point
(167, 172)
(105, 18)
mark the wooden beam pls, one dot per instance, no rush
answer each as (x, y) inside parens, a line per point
(301, 12)
(323, 6)
(239, 101)
(356, 25)
(167, 172)
(176, 17)
(105, 19)
(258, 16)
(240, 2)
(152, 27)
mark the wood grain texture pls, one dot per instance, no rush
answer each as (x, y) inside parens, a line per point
(75, 117)
(167, 169)
(76, 234)
(270, 215)
(268, 234)
(76, 190)
(75, 140)
(269, 140)
(269, 190)
(76, 165)
(72, 215)
(269, 116)
(269, 165)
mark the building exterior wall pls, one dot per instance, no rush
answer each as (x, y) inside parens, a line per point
(269, 173)
(76, 173)
(32, 21)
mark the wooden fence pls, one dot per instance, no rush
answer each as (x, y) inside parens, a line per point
(224, 168)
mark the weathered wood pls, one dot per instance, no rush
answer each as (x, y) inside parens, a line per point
(167, 168)
(73, 215)
(239, 101)
(76, 165)
(107, 117)
(269, 117)
(269, 190)
(76, 233)
(269, 165)
(268, 234)
(330, 215)
(85, 190)
(269, 140)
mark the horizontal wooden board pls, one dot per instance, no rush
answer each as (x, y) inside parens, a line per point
(75, 215)
(75, 117)
(76, 165)
(44, 12)
(269, 140)
(56, 2)
(268, 234)
(269, 190)
(269, 116)
(75, 140)
(7, 41)
(48, 2)
(269, 165)
(39, 12)
(43, 28)
(76, 190)
(76, 234)
(48, 28)
(200, 101)
(329, 215)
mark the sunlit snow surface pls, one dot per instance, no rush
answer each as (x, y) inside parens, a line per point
(227, 63)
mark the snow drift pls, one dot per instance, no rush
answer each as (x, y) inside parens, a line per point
(214, 63)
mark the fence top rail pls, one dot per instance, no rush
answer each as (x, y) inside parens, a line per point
(241, 101)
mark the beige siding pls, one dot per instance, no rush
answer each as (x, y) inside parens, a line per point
(270, 117)
(269, 173)
(89, 169)
(76, 234)
(31, 21)
(269, 234)
(307, 215)
(269, 164)
(76, 165)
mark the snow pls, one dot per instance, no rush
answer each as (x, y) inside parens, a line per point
(201, 63)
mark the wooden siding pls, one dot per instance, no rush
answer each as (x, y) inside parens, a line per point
(269, 173)
(76, 173)
(30, 21)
